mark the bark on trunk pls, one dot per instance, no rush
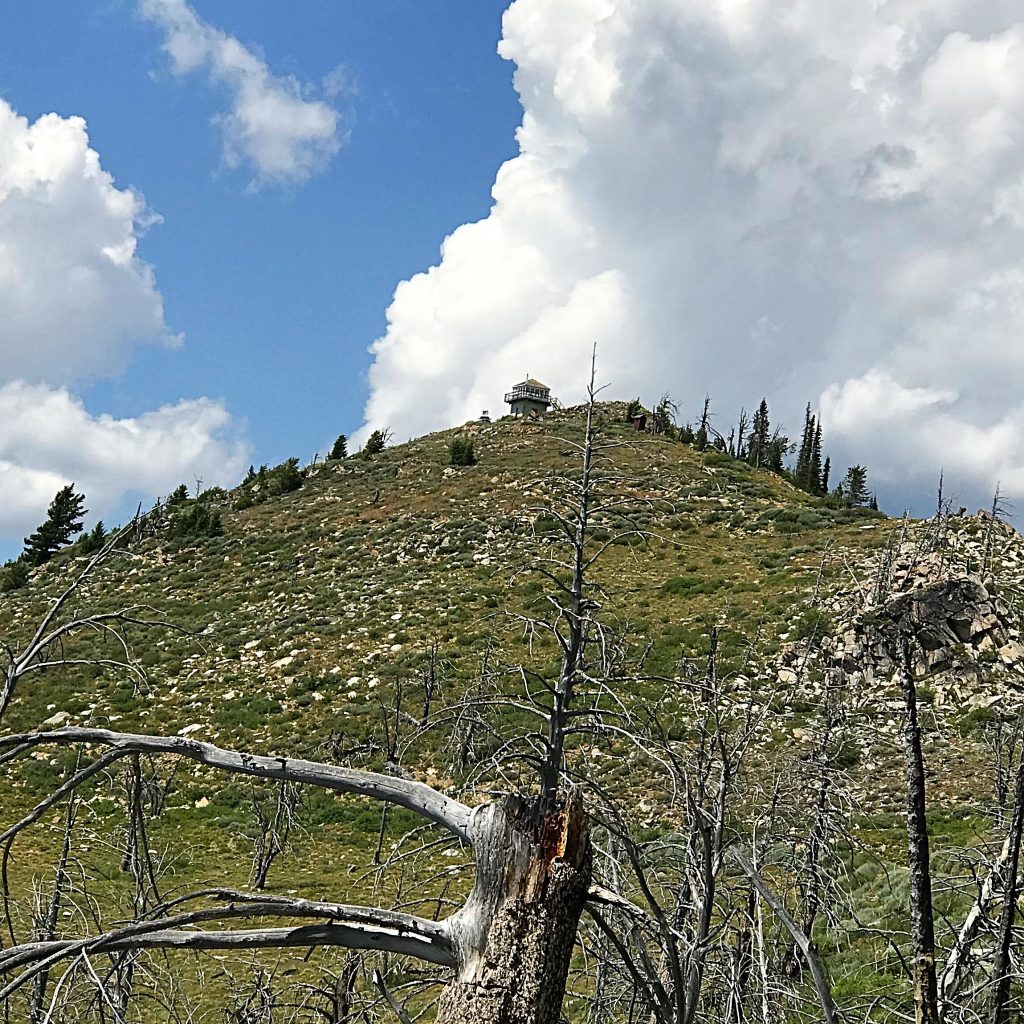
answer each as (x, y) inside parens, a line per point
(922, 922)
(515, 934)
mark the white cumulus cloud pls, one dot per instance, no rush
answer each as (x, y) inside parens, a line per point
(810, 201)
(75, 302)
(50, 439)
(274, 125)
(74, 296)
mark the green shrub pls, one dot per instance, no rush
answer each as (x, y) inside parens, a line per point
(260, 486)
(195, 519)
(460, 452)
(689, 586)
(14, 576)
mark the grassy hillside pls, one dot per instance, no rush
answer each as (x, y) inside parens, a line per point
(310, 626)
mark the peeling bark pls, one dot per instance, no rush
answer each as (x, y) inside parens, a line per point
(514, 937)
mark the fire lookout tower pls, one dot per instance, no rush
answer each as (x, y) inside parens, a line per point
(530, 398)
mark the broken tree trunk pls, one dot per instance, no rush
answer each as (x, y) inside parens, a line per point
(922, 920)
(514, 936)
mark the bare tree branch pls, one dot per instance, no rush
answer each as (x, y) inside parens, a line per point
(821, 983)
(414, 796)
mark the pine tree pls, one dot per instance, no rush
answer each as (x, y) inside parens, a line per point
(814, 470)
(855, 486)
(663, 420)
(825, 473)
(63, 523)
(760, 436)
(460, 452)
(375, 444)
(94, 539)
(13, 576)
(340, 449)
(802, 474)
(177, 497)
(778, 448)
(705, 416)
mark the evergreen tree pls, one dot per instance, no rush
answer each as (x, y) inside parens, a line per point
(94, 539)
(741, 434)
(196, 519)
(778, 448)
(802, 473)
(375, 444)
(815, 468)
(13, 576)
(760, 436)
(63, 523)
(284, 478)
(855, 486)
(340, 449)
(178, 496)
(825, 473)
(705, 417)
(663, 419)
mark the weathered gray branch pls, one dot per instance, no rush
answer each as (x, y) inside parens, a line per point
(958, 960)
(351, 936)
(414, 796)
(810, 954)
(354, 927)
(32, 657)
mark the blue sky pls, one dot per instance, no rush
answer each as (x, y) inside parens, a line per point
(278, 291)
(381, 213)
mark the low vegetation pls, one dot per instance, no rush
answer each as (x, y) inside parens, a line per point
(387, 615)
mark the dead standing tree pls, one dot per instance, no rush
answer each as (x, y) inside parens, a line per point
(508, 945)
(681, 931)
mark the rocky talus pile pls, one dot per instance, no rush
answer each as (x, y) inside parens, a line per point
(951, 590)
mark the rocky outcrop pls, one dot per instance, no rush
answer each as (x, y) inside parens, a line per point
(964, 637)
